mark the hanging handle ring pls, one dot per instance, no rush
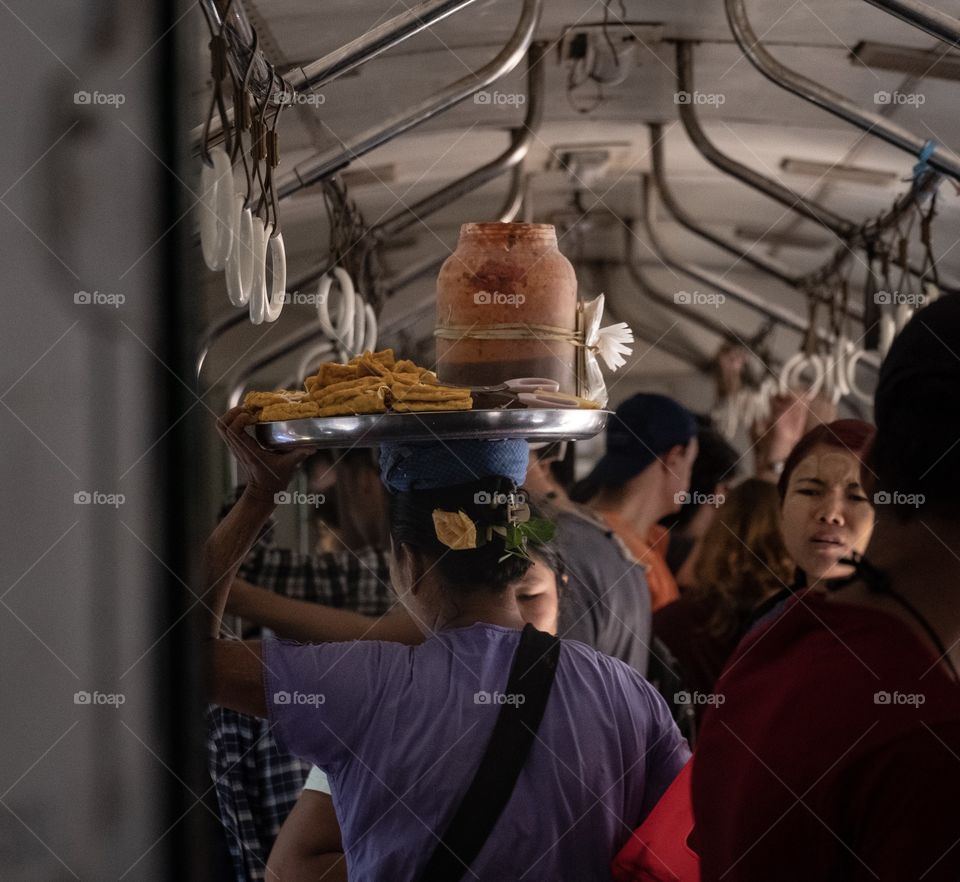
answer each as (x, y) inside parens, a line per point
(258, 291)
(239, 269)
(346, 316)
(273, 305)
(216, 209)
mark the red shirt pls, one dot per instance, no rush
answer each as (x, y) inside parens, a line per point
(835, 754)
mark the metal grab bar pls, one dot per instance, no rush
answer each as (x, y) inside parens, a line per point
(521, 140)
(774, 189)
(309, 333)
(936, 23)
(334, 64)
(512, 204)
(512, 157)
(872, 123)
(778, 314)
(636, 272)
(319, 167)
(854, 235)
(369, 45)
(773, 268)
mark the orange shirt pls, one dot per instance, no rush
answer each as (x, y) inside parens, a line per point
(649, 550)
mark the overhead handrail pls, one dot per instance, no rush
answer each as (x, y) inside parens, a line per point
(511, 159)
(308, 77)
(873, 123)
(936, 23)
(853, 235)
(512, 204)
(778, 314)
(771, 267)
(329, 163)
(310, 332)
(636, 272)
(521, 139)
(774, 189)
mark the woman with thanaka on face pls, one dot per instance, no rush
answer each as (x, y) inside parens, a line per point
(835, 752)
(826, 514)
(397, 719)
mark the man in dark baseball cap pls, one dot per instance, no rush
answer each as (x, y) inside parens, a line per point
(644, 476)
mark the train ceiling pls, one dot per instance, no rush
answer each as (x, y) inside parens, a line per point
(607, 148)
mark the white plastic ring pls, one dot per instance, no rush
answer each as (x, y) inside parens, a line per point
(347, 310)
(838, 370)
(809, 361)
(788, 367)
(308, 362)
(258, 290)
(855, 390)
(370, 338)
(359, 325)
(216, 209)
(239, 270)
(278, 277)
(323, 312)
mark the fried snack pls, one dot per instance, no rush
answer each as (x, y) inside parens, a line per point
(423, 392)
(345, 395)
(367, 367)
(424, 406)
(366, 402)
(354, 387)
(384, 357)
(291, 410)
(329, 373)
(371, 382)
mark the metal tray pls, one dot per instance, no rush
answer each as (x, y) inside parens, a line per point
(369, 430)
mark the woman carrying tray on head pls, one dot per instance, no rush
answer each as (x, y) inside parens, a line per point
(402, 730)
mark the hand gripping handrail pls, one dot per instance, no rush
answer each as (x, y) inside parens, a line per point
(872, 123)
(308, 77)
(329, 163)
(936, 23)
(773, 268)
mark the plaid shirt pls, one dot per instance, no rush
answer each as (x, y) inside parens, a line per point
(256, 782)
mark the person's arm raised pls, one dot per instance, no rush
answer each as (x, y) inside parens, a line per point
(315, 623)
(235, 666)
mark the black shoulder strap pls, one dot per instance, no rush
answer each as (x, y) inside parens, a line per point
(528, 688)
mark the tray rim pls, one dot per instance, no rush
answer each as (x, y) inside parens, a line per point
(362, 430)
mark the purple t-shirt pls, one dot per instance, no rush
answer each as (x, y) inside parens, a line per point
(400, 731)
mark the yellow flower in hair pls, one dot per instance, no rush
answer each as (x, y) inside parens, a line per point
(455, 529)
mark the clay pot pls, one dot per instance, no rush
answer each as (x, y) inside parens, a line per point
(506, 275)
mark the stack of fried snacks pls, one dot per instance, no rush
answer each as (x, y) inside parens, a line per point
(284, 404)
(374, 382)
